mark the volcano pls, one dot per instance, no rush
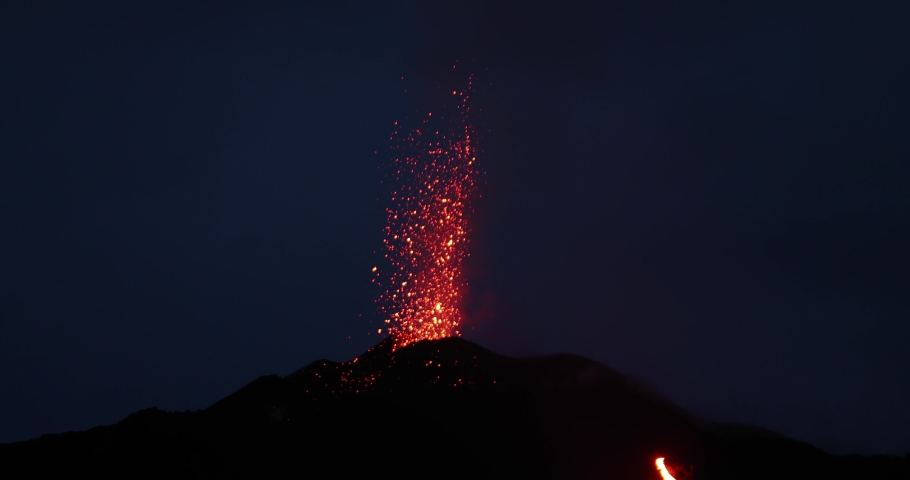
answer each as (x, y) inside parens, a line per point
(444, 408)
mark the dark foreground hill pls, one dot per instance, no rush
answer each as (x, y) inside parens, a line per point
(440, 409)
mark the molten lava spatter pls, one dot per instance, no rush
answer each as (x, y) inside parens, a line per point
(434, 178)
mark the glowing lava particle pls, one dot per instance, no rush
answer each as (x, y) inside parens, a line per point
(434, 177)
(664, 473)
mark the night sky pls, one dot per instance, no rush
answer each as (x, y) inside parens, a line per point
(710, 198)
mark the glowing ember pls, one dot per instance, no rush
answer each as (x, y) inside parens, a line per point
(426, 237)
(664, 473)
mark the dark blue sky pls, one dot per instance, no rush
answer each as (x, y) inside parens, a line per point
(710, 198)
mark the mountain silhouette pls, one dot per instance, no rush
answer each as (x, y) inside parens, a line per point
(436, 409)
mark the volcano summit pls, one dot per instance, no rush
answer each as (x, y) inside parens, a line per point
(444, 408)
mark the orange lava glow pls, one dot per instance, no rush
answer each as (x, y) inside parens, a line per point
(434, 177)
(664, 473)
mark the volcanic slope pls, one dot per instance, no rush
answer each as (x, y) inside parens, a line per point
(435, 409)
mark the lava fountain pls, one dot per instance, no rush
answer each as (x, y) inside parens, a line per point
(434, 177)
(662, 468)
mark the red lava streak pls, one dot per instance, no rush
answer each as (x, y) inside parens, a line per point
(434, 174)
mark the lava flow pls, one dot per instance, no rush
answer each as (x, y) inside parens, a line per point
(664, 473)
(434, 177)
